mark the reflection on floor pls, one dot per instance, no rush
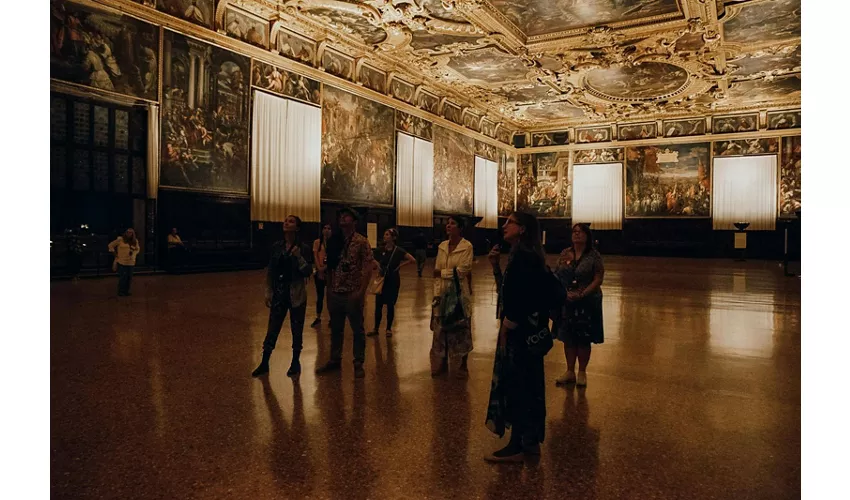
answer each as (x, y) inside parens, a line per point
(695, 394)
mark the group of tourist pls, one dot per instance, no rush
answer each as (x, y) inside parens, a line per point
(530, 295)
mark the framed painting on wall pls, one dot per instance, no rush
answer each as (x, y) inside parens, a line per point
(789, 176)
(452, 113)
(507, 184)
(402, 90)
(471, 121)
(549, 138)
(338, 64)
(593, 134)
(102, 49)
(295, 46)
(245, 26)
(200, 12)
(487, 151)
(205, 116)
(454, 171)
(682, 128)
(668, 181)
(736, 123)
(285, 83)
(488, 128)
(413, 125)
(372, 78)
(777, 120)
(635, 131)
(354, 169)
(427, 101)
(746, 147)
(544, 184)
(604, 155)
(503, 135)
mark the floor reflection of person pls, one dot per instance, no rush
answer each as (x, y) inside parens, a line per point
(320, 260)
(125, 248)
(286, 292)
(390, 259)
(454, 256)
(581, 271)
(518, 389)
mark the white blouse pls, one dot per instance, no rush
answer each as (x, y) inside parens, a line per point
(461, 259)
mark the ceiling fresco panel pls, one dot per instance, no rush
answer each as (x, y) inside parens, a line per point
(764, 22)
(489, 65)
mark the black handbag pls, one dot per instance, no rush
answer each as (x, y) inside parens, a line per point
(540, 341)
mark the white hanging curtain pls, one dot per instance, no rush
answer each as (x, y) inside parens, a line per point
(286, 160)
(744, 190)
(153, 151)
(414, 182)
(598, 195)
(486, 200)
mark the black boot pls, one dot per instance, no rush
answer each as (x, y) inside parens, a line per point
(263, 368)
(295, 367)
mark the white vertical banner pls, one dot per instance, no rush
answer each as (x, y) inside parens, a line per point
(744, 190)
(598, 195)
(486, 200)
(286, 158)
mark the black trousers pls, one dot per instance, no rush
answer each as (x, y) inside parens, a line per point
(125, 277)
(320, 295)
(277, 314)
(380, 302)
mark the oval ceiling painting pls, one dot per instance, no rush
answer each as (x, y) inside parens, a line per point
(646, 81)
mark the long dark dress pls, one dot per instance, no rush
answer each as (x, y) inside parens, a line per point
(518, 388)
(581, 321)
(389, 263)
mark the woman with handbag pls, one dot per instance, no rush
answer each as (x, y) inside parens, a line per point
(386, 285)
(518, 389)
(125, 248)
(452, 303)
(581, 271)
(320, 262)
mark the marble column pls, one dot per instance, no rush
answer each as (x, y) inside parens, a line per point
(192, 82)
(202, 79)
(166, 62)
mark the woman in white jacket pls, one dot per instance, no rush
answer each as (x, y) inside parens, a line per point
(452, 341)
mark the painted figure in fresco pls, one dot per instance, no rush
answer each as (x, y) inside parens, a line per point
(193, 13)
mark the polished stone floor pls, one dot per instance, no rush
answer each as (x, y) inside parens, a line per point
(695, 394)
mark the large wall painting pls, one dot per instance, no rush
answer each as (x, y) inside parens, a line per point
(296, 47)
(737, 123)
(357, 149)
(789, 176)
(205, 116)
(247, 27)
(593, 134)
(200, 12)
(413, 125)
(507, 185)
(634, 131)
(668, 181)
(454, 171)
(783, 119)
(746, 147)
(285, 83)
(604, 155)
(544, 184)
(104, 50)
(682, 128)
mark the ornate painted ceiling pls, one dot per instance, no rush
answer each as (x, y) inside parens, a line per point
(550, 64)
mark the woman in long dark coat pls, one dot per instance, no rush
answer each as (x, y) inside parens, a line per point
(517, 392)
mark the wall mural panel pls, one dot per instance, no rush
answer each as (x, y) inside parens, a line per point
(285, 83)
(487, 151)
(338, 64)
(488, 128)
(471, 121)
(296, 47)
(428, 102)
(402, 90)
(452, 113)
(738, 123)
(246, 27)
(668, 181)
(549, 138)
(205, 116)
(593, 134)
(414, 125)
(746, 147)
(789, 176)
(103, 50)
(544, 184)
(454, 171)
(604, 155)
(507, 184)
(784, 119)
(358, 149)
(503, 135)
(200, 12)
(634, 131)
(682, 128)
(372, 78)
